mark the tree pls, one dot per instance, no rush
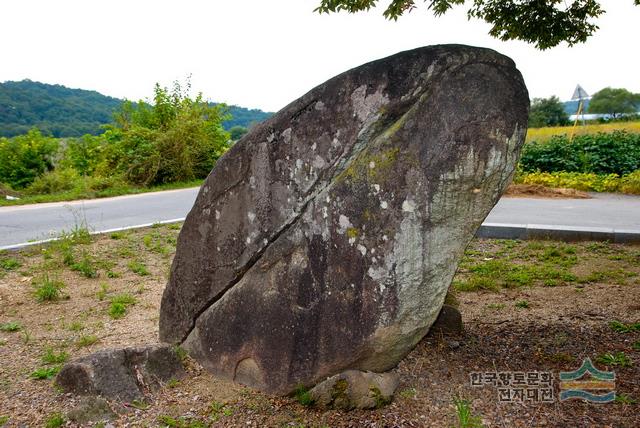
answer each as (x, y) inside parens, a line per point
(175, 139)
(237, 132)
(547, 112)
(544, 23)
(614, 101)
(25, 157)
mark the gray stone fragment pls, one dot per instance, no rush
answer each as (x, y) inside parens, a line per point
(449, 322)
(327, 237)
(121, 374)
(354, 389)
(91, 409)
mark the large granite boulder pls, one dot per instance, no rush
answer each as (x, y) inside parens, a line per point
(326, 238)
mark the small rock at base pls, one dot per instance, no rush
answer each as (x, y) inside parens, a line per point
(449, 322)
(91, 409)
(354, 389)
(121, 374)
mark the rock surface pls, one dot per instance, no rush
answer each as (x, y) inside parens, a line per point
(354, 389)
(449, 322)
(121, 374)
(327, 237)
(91, 409)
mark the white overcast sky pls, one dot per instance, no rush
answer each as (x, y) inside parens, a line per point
(265, 53)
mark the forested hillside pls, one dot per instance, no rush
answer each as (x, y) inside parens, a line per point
(63, 112)
(54, 109)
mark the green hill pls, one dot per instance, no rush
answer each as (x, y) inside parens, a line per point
(66, 112)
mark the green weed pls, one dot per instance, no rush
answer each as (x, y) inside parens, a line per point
(621, 327)
(466, 419)
(51, 357)
(303, 396)
(43, 373)
(496, 306)
(117, 310)
(117, 235)
(522, 304)
(181, 422)
(624, 399)
(47, 289)
(76, 326)
(102, 293)
(3, 420)
(138, 268)
(617, 359)
(408, 393)
(85, 341)
(85, 267)
(217, 409)
(55, 420)
(9, 264)
(11, 326)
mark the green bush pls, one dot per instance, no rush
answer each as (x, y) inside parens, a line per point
(25, 157)
(56, 181)
(583, 181)
(176, 139)
(603, 153)
(83, 154)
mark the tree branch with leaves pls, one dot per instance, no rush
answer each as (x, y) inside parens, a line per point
(543, 23)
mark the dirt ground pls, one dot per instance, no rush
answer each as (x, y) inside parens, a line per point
(526, 306)
(539, 191)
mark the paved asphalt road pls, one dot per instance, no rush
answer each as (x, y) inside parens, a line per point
(26, 223)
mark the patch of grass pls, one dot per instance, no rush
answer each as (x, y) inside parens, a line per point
(9, 264)
(117, 235)
(172, 383)
(138, 268)
(303, 396)
(181, 422)
(217, 409)
(76, 326)
(140, 405)
(636, 346)
(86, 340)
(11, 326)
(617, 359)
(466, 419)
(119, 305)
(112, 274)
(621, 327)
(181, 353)
(522, 304)
(102, 293)
(624, 399)
(175, 226)
(55, 420)
(496, 306)
(125, 299)
(475, 283)
(3, 420)
(408, 393)
(617, 275)
(43, 373)
(117, 310)
(85, 267)
(51, 357)
(47, 289)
